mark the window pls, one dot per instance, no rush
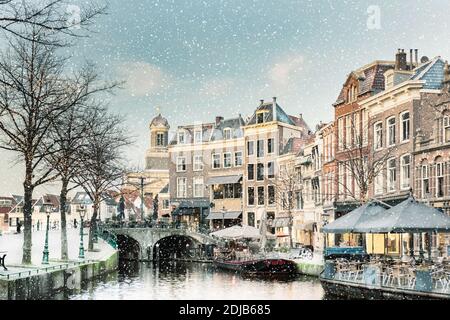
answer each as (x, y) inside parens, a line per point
(261, 116)
(181, 164)
(181, 137)
(378, 135)
(439, 180)
(270, 145)
(160, 139)
(198, 136)
(405, 171)
(216, 160)
(405, 126)
(251, 219)
(390, 131)
(251, 196)
(261, 196)
(181, 188)
(198, 162)
(446, 127)
(238, 159)
(250, 171)
(218, 191)
(227, 160)
(227, 133)
(165, 204)
(298, 200)
(228, 191)
(270, 170)
(237, 191)
(379, 183)
(425, 181)
(341, 133)
(260, 171)
(198, 187)
(348, 131)
(250, 148)
(271, 194)
(392, 174)
(260, 148)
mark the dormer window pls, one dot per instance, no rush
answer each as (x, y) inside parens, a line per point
(352, 93)
(227, 133)
(181, 137)
(261, 116)
(198, 136)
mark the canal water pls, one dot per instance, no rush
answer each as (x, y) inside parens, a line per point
(197, 281)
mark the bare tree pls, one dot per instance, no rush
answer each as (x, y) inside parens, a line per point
(102, 165)
(35, 92)
(288, 183)
(361, 161)
(69, 134)
(56, 17)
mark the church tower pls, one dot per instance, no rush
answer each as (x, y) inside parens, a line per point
(157, 156)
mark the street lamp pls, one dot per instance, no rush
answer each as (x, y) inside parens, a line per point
(82, 211)
(223, 217)
(45, 253)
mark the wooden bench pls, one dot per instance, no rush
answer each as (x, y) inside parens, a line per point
(2, 259)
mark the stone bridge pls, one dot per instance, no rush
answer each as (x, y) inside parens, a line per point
(148, 244)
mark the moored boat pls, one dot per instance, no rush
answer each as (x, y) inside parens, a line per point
(262, 266)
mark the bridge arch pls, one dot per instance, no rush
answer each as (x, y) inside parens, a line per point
(129, 248)
(176, 246)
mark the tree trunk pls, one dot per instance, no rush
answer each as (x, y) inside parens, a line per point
(63, 201)
(291, 240)
(27, 214)
(93, 226)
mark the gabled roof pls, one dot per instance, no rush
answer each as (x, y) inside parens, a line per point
(234, 124)
(189, 133)
(370, 79)
(165, 189)
(81, 198)
(282, 116)
(432, 72)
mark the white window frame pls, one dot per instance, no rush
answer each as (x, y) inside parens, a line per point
(238, 157)
(181, 133)
(378, 141)
(391, 185)
(158, 134)
(227, 134)
(230, 158)
(263, 148)
(253, 148)
(196, 138)
(388, 135)
(378, 185)
(424, 175)
(273, 145)
(181, 192)
(403, 185)
(341, 137)
(445, 127)
(212, 161)
(402, 125)
(179, 163)
(195, 183)
(439, 173)
(198, 162)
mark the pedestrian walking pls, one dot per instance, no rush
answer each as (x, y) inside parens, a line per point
(75, 223)
(19, 225)
(38, 224)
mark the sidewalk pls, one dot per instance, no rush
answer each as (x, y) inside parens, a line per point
(13, 243)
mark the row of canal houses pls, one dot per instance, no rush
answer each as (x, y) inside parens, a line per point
(11, 209)
(390, 137)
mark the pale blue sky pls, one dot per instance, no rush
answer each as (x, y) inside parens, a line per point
(199, 59)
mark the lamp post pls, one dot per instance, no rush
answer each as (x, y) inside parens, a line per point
(223, 217)
(82, 211)
(45, 253)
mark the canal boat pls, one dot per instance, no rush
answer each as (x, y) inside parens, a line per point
(258, 266)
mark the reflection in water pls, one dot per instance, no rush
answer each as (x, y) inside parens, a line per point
(178, 280)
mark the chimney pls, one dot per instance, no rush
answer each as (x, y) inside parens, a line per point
(262, 101)
(411, 59)
(274, 107)
(400, 60)
(300, 115)
(417, 57)
(218, 120)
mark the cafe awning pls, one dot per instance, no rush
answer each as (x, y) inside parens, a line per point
(409, 216)
(224, 179)
(224, 215)
(185, 207)
(352, 220)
